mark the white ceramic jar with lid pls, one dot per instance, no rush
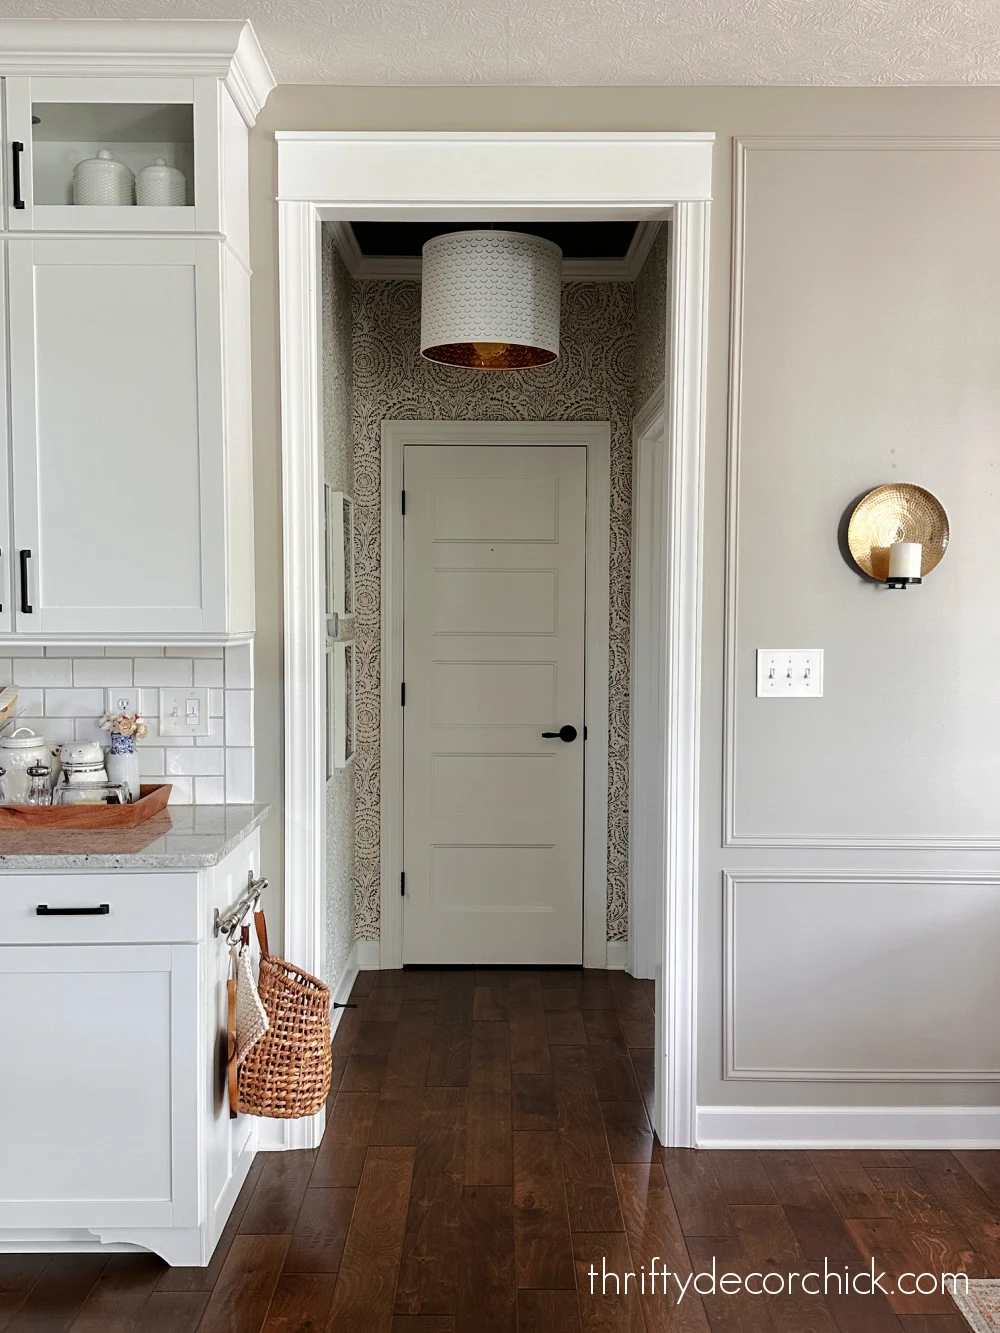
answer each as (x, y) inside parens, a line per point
(103, 180)
(160, 185)
(20, 750)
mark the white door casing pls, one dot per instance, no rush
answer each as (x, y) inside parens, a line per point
(402, 175)
(494, 613)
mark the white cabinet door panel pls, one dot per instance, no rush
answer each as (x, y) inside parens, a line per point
(98, 1054)
(6, 585)
(118, 456)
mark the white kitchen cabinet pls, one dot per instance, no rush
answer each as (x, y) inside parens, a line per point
(114, 1122)
(118, 439)
(126, 504)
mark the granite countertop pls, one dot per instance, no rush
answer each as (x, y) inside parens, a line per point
(182, 837)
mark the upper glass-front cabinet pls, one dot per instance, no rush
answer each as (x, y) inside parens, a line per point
(113, 155)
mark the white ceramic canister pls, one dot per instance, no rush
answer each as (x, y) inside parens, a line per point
(160, 185)
(103, 180)
(19, 750)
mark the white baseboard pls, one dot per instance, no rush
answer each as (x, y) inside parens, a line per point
(617, 955)
(368, 960)
(848, 1127)
(342, 990)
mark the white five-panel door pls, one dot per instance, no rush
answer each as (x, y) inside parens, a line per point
(494, 626)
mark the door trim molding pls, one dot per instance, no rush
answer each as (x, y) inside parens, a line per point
(481, 179)
(595, 436)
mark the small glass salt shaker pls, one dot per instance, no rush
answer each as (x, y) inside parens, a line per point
(40, 785)
(3, 787)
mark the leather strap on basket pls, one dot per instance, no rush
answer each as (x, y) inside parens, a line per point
(261, 925)
(232, 1072)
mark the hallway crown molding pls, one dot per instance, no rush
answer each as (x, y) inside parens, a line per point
(113, 48)
(408, 268)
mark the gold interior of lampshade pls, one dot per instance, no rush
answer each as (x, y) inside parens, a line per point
(490, 355)
(897, 513)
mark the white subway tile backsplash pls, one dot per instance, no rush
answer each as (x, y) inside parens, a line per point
(196, 760)
(74, 703)
(88, 729)
(30, 703)
(163, 671)
(42, 670)
(239, 717)
(239, 667)
(152, 760)
(210, 791)
(102, 671)
(199, 650)
(208, 671)
(239, 776)
(62, 695)
(183, 791)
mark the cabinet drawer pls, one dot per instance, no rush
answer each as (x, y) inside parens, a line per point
(142, 909)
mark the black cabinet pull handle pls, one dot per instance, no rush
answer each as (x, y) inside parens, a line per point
(26, 607)
(566, 733)
(43, 909)
(16, 150)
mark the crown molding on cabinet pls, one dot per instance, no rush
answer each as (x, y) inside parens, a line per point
(114, 48)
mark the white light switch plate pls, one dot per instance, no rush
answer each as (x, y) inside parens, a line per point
(121, 699)
(184, 712)
(789, 673)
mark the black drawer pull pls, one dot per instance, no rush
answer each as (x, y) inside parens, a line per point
(26, 607)
(43, 909)
(16, 149)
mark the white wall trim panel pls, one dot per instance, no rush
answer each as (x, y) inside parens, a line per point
(733, 834)
(878, 1009)
(853, 1127)
(508, 175)
(596, 437)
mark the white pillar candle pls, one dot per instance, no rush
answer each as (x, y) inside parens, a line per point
(904, 560)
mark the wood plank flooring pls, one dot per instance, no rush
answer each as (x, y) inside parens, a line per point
(488, 1141)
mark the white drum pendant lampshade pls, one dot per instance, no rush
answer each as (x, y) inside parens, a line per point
(490, 300)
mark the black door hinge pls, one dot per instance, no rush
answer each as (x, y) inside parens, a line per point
(403, 505)
(402, 695)
(585, 733)
(402, 883)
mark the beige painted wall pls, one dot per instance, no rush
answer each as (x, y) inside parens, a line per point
(802, 467)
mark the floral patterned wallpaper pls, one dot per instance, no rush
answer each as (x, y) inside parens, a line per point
(594, 380)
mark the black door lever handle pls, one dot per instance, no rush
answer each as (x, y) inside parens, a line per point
(566, 733)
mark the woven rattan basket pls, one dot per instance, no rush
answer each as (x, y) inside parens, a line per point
(286, 1075)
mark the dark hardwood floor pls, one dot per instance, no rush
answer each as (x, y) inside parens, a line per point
(488, 1140)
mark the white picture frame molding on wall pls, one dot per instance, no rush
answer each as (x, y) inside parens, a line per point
(335, 176)
(339, 553)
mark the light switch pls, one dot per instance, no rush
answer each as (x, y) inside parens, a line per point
(789, 673)
(184, 712)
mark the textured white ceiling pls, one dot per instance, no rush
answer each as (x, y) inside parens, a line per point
(625, 42)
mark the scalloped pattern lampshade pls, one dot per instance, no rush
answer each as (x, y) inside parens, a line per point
(490, 300)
